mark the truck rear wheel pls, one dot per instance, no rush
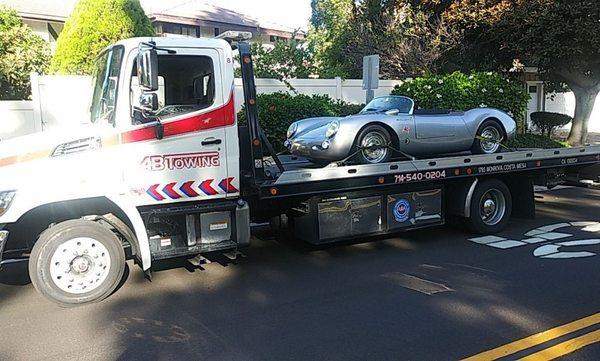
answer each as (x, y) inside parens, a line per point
(490, 207)
(77, 262)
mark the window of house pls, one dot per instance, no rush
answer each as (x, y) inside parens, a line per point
(186, 84)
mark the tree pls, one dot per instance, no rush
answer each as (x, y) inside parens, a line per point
(21, 53)
(93, 25)
(559, 37)
(330, 25)
(409, 35)
(286, 59)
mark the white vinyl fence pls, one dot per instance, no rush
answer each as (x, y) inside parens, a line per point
(58, 101)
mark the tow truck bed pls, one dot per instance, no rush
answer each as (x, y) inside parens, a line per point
(307, 181)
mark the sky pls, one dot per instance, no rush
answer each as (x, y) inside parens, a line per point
(292, 13)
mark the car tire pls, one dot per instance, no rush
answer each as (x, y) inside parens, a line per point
(77, 262)
(372, 134)
(492, 129)
(490, 207)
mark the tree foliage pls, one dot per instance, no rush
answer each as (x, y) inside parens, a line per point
(285, 60)
(409, 36)
(559, 37)
(93, 25)
(21, 53)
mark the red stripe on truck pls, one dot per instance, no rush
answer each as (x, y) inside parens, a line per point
(219, 117)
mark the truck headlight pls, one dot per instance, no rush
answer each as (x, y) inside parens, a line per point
(6, 199)
(292, 130)
(332, 129)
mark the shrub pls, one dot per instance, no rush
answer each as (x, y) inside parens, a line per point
(93, 25)
(534, 141)
(277, 111)
(547, 122)
(459, 91)
(21, 53)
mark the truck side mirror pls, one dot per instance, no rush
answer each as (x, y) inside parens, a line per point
(149, 101)
(147, 67)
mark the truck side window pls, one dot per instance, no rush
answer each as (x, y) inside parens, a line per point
(186, 84)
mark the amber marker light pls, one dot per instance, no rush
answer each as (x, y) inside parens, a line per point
(274, 191)
(457, 172)
(381, 180)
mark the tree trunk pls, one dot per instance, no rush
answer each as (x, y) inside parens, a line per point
(585, 98)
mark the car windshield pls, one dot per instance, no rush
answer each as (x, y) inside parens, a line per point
(106, 75)
(383, 104)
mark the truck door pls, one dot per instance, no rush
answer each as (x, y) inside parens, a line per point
(178, 153)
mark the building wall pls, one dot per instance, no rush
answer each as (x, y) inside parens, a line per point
(40, 28)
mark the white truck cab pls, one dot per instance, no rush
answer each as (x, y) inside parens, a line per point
(180, 147)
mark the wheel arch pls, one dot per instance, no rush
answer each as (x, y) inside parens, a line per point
(393, 133)
(124, 219)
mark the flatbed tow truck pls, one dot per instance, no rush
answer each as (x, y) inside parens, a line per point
(164, 170)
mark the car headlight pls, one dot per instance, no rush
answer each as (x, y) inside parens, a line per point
(6, 199)
(332, 129)
(292, 130)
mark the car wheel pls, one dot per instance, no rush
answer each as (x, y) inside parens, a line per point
(490, 208)
(77, 262)
(489, 136)
(368, 142)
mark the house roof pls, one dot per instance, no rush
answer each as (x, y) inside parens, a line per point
(56, 10)
(192, 12)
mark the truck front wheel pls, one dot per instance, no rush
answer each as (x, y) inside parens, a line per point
(77, 262)
(490, 207)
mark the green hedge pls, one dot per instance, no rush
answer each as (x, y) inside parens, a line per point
(535, 141)
(278, 110)
(460, 91)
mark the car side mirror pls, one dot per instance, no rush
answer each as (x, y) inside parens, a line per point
(392, 112)
(149, 101)
(147, 67)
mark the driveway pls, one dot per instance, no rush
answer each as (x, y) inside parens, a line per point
(438, 294)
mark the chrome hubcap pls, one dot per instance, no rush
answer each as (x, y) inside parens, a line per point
(491, 138)
(376, 154)
(79, 265)
(492, 207)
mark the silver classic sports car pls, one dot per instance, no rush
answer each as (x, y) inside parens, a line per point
(391, 126)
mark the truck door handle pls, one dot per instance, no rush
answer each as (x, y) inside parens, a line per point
(211, 141)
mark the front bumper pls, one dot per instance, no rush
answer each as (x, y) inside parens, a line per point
(313, 149)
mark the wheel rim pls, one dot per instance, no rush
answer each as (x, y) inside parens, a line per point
(79, 265)
(492, 207)
(376, 155)
(491, 138)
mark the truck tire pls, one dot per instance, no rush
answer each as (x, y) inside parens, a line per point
(490, 207)
(77, 262)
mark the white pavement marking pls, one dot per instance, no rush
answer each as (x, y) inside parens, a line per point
(506, 244)
(486, 239)
(552, 250)
(592, 228)
(534, 240)
(554, 235)
(534, 232)
(552, 227)
(584, 224)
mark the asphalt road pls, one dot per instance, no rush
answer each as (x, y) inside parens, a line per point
(423, 295)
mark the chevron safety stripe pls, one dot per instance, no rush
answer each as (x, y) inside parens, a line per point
(191, 189)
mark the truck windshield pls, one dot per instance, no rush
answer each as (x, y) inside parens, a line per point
(106, 76)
